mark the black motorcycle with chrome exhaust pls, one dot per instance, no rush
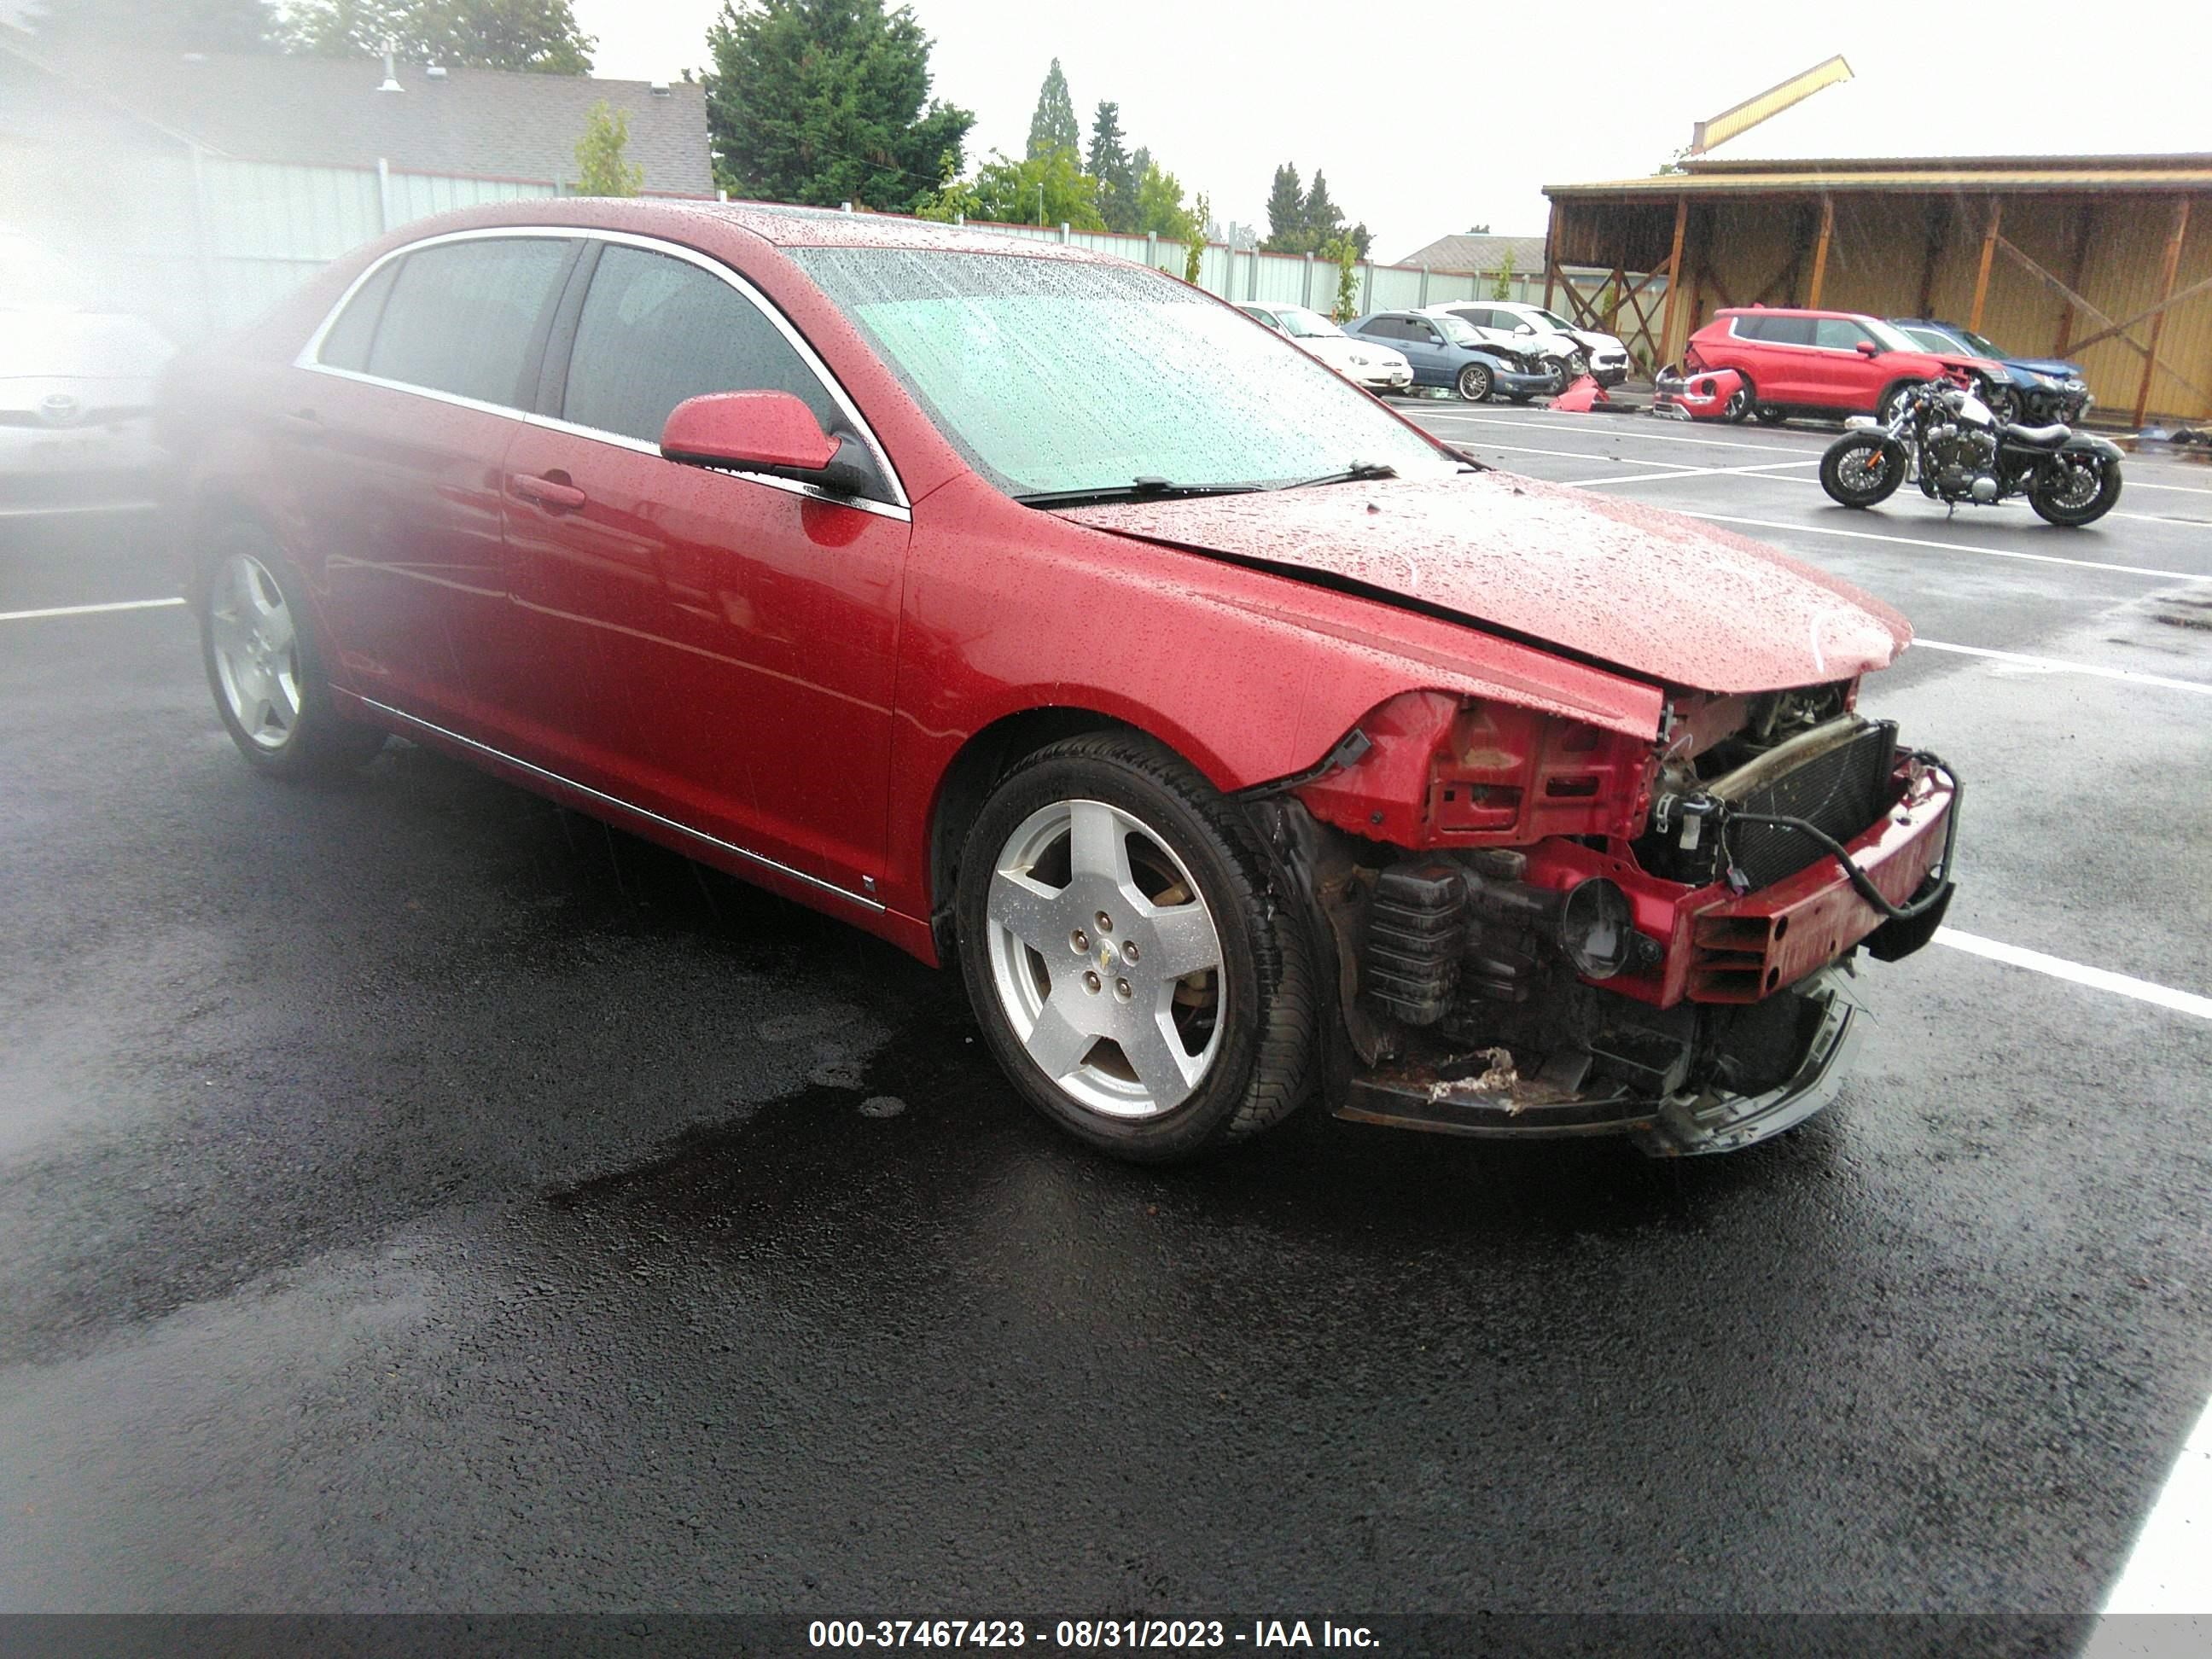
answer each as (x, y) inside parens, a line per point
(1944, 438)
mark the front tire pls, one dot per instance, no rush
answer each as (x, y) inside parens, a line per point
(1768, 414)
(2002, 402)
(1475, 383)
(2071, 491)
(1130, 969)
(259, 654)
(1862, 468)
(1742, 401)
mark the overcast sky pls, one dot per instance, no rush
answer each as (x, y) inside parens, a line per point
(1432, 118)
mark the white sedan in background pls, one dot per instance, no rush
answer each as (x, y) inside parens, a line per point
(77, 391)
(1364, 363)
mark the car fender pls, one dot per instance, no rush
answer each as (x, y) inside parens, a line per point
(1248, 675)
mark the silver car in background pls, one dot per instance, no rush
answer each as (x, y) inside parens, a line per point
(1362, 362)
(77, 391)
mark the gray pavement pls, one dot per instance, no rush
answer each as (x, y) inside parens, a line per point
(413, 1196)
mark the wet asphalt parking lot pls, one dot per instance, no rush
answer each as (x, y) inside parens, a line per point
(415, 1196)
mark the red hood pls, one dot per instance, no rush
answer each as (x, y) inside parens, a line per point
(1662, 596)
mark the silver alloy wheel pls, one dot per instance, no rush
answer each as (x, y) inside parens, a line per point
(2083, 479)
(256, 655)
(1105, 959)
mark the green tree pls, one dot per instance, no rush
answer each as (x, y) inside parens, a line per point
(537, 36)
(1110, 163)
(1043, 190)
(1340, 252)
(1285, 213)
(825, 101)
(600, 169)
(1478, 230)
(1160, 209)
(1361, 239)
(1319, 218)
(160, 25)
(1193, 260)
(1054, 126)
(1502, 289)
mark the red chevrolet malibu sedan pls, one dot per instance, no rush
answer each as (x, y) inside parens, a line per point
(1240, 742)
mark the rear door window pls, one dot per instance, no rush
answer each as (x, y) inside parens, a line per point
(463, 317)
(656, 330)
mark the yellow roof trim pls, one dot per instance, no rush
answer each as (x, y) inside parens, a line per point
(2160, 181)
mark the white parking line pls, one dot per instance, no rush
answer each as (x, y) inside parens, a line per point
(1641, 436)
(1638, 434)
(2164, 1571)
(1949, 547)
(2184, 1002)
(2056, 665)
(1579, 455)
(85, 609)
(1698, 472)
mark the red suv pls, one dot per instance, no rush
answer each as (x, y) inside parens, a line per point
(1815, 362)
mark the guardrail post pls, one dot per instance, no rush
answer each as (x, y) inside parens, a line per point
(1424, 285)
(383, 195)
(1063, 230)
(1153, 249)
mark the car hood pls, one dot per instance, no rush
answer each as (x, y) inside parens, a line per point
(1663, 597)
(2055, 367)
(44, 343)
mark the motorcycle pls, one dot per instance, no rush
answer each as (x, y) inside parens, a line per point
(1943, 437)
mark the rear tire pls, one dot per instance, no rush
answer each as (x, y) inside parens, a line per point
(259, 648)
(1475, 383)
(1768, 414)
(2061, 493)
(1097, 1023)
(1862, 468)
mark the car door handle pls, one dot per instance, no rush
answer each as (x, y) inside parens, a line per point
(554, 493)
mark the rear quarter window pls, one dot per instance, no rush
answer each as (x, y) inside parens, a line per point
(347, 342)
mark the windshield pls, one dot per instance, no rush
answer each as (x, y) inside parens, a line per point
(1303, 325)
(1554, 320)
(1979, 345)
(1053, 376)
(1458, 331)
(1933, 338)
(1894, 340)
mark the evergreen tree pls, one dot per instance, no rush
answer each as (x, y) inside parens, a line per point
(825, 101)
(1319, 219)
(1110, 163)
(1286, 222)
(1054, 126)
(1361, 239)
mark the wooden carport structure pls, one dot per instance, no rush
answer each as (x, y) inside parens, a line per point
(2105, 261)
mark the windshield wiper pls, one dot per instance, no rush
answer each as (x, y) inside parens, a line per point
(1137, 489)
(1357, 473)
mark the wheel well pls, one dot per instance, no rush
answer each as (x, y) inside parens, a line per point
(210, 513)
(985, 758)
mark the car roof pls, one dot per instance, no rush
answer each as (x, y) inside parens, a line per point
(778, 225)
(1793, 311)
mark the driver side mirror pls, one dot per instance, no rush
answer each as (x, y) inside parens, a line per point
(767, 432)
(1868, 348)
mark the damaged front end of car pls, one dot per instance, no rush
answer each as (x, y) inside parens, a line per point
(1540, 927)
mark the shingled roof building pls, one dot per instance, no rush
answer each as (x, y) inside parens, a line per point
(338, 112)
(1482, 254)
(195, 188)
